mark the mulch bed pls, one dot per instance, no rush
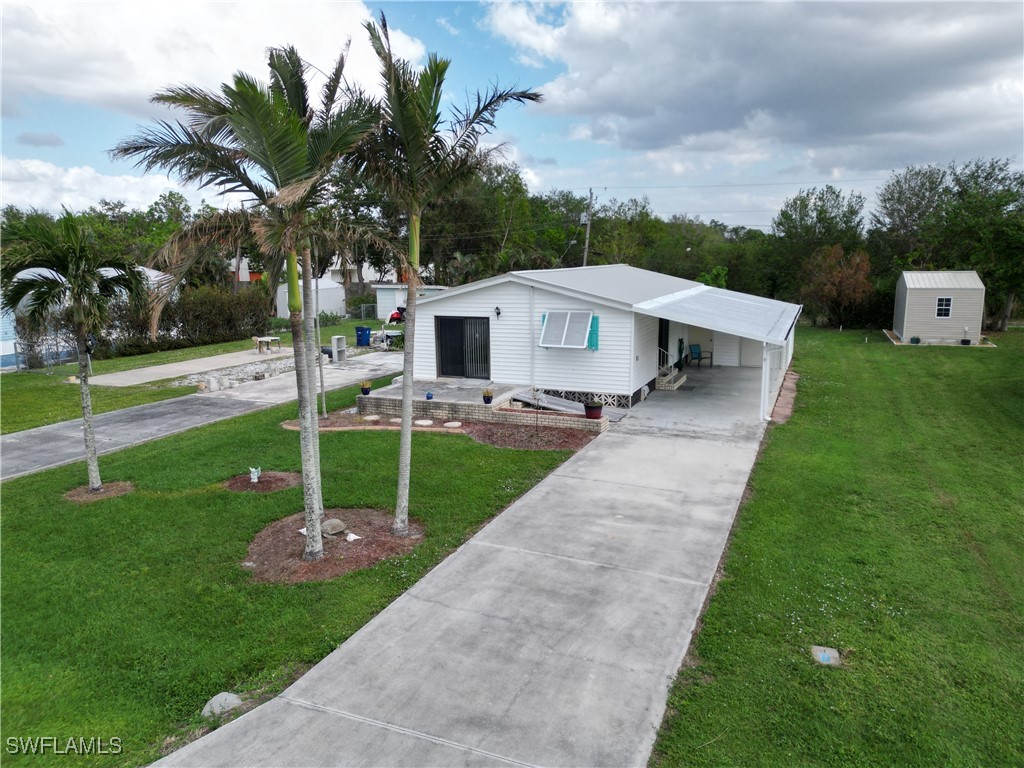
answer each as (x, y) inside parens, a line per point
(269, 481)
(82, 494)
(500, 435)
(275, 554)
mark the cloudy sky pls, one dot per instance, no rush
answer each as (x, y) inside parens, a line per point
(719, 110)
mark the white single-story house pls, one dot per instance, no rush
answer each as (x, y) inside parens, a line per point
(939, 307)
(391, 296)
(328, 296)
(604, 331)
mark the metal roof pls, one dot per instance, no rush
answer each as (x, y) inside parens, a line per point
(658, 295)
(610, 282)
(740, 314)
(944, 279)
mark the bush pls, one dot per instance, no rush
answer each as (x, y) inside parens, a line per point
(209, 315)
(330, 318)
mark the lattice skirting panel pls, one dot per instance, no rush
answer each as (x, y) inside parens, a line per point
(613, 401)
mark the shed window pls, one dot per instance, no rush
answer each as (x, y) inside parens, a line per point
(943, 306)
(566, 328)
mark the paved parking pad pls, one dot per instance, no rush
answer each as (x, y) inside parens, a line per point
(550, 638)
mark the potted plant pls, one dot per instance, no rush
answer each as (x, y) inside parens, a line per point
(915, 339)
(430, 395)
(965, 342)
(364, 386)
(593, 409)
(488, 396)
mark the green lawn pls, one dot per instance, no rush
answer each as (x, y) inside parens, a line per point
(886, 521)
(122, 617)
(35, 399)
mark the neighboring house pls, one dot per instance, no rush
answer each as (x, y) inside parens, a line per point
(391, 296)
(939, 307)
(604, 331)
(328, 296)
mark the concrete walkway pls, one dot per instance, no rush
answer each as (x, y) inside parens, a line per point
(22, 453)
(550, 638)
(186, 367)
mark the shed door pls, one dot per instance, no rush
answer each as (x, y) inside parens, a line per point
(463, 347)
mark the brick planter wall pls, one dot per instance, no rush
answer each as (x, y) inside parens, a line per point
(494, 413)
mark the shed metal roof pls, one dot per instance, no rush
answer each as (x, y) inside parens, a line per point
(943, 279)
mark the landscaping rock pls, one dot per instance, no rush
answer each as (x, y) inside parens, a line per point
(826, 656)
(424, 422)
(372, 417)
(223, 702)
(453, 424)
(332, 527)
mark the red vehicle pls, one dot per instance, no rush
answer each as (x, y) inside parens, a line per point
(398, 316)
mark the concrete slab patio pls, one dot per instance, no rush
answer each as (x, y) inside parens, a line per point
(552, 636)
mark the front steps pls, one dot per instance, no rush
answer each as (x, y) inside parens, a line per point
(672, 379)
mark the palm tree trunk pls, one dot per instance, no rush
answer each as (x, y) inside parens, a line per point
(313, 501)
(312, 355)
(91, 459)
(400, 526)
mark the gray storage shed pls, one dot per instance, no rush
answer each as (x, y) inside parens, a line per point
(939, 307)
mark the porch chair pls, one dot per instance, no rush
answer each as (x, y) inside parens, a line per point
(696, 354)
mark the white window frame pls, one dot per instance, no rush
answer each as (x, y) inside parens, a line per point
(563, 342)
(939, 307)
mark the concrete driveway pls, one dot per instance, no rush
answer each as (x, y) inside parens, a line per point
(34, 450)
(551, 637)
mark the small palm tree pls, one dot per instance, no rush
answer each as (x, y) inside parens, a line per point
(417, 156)
(270, 142)
(51, 264)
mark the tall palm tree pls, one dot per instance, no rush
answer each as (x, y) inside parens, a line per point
(418, 156)
(51, 264)
(269, 141)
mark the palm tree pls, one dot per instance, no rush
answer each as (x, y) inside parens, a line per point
(268, 141)
(417, 156)
(51, 264)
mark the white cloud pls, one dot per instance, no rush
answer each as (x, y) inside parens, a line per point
(37, 184)
(839, 77)
(447, 26)
(117, 54)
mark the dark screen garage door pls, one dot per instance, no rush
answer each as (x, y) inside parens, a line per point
(463, 347)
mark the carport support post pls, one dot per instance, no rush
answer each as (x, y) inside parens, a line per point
(765, 377)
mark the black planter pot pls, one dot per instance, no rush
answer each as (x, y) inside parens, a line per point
(593, 411)
(488, 399)
(365, 390)
(915, 340)
(965, 342)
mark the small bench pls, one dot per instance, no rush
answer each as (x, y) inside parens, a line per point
(265, 342)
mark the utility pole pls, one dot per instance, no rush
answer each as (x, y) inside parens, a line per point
(586, 242)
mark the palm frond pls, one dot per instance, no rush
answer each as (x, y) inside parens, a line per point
(288, 79)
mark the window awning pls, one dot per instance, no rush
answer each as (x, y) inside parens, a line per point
(739, 314)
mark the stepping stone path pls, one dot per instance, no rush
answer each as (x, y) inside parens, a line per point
(453, 424)
(424, 422)
(371, 418)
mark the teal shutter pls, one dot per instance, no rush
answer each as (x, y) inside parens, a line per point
(592, 337)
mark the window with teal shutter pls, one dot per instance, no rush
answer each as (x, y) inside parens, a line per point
(592, 336)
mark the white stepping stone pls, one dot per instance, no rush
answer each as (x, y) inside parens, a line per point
(424, 422)
(453, 424)
(371, 418)
(395, 421)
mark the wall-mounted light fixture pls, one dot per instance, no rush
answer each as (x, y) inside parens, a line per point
(497, 311)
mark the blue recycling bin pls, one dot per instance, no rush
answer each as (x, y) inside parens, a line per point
(362, 335)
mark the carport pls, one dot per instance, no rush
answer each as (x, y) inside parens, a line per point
(742, 317)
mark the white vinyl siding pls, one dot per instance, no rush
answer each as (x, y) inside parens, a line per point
(645, 351)
(751, 353)
(513, 344)
(727, 349)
